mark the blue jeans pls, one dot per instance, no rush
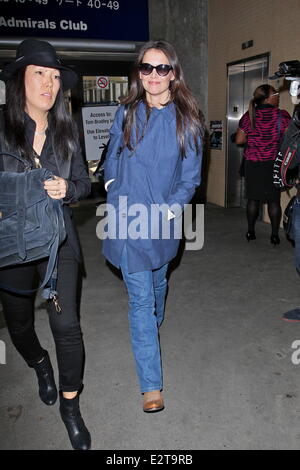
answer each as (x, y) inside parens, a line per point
(296, 232)
(147, 293)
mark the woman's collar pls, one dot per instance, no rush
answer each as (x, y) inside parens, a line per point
(266, 105)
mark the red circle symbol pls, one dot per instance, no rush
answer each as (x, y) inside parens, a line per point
(102, 82)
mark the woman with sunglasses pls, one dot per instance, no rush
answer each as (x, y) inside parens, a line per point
(261, 129)
(151, 171)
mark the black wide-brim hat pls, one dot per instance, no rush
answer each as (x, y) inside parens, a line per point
(36, 52)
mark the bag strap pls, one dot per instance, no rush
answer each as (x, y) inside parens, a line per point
(27, 164)
(21, 200)
(126, 108)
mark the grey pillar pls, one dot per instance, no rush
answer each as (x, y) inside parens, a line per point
(184, 24)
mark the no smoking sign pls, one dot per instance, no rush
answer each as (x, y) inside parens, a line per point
(102, 82)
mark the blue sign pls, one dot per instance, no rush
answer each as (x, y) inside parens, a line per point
(123, 20)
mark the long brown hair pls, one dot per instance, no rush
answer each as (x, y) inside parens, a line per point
(187, 111)
(260, 94)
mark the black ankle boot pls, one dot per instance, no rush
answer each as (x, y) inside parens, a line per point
(79, 435)
(47, 387)
(274, 239)
(250, 235)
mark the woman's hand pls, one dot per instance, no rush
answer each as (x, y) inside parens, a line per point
(56, 188)
(240, 137)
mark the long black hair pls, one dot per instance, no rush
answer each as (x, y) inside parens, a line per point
(187, 111)
(60, 123)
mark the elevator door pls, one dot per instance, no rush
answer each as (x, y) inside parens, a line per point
(243, 78)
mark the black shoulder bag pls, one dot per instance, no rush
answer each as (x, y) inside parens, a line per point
(285, 170)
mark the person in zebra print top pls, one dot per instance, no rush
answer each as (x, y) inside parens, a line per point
(261, 128)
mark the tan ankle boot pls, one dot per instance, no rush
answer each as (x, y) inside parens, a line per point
(153, 401)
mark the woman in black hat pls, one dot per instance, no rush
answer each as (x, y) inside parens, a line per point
(36, 125)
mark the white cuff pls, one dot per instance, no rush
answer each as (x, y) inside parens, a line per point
(108, 183)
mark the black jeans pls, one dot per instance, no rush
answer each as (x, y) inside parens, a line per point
(19, 316)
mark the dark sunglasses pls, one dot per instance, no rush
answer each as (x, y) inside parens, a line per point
(161, 69)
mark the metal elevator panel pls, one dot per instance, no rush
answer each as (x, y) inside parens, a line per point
(243, 78)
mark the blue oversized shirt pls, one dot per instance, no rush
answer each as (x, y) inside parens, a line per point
(151, 176)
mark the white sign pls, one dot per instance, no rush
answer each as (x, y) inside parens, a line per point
(97, 121)
(102, 82)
